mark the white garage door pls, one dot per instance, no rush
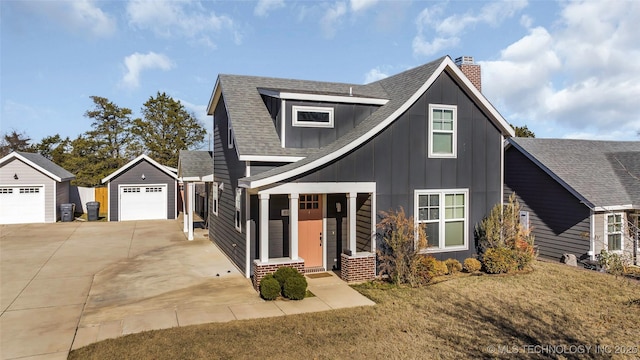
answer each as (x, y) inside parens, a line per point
(21, 204)
(148, 202)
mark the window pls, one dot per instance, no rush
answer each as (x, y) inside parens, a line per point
(6, 191)
(443, 124)
(29, 190)
(153, 189)
(309, 202)
(444, 212)
(131, 190)
(238, 205)
(614, 232)
(310, 116)
(214, 198)
(230, 137)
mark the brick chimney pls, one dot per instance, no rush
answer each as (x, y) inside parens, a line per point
(471, 70)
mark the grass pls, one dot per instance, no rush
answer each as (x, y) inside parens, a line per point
(466, 317)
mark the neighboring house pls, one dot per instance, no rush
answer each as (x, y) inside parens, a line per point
(32, 188)
(195, 170)
(580, 196)
(301, 168)
(142, 190)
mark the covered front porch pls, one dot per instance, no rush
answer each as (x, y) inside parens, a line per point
(314, 227)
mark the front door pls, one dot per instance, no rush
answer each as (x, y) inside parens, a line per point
(310, 230)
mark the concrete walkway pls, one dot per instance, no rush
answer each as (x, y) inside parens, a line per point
(67, 285)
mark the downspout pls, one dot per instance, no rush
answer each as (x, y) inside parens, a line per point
(592, 231)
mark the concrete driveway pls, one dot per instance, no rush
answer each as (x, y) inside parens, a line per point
(65, 285)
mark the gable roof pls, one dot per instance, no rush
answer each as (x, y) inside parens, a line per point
(195, 165)
(41, 164)
(402, 90)
(167, 170)
(602, 174)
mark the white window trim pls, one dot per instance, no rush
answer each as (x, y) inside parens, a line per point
(441, 222)
(238, 202)
(621, 232)
(230, 137)
(298, 123)
(215, 198)
(455, 131)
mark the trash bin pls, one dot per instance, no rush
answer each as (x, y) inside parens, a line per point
(93, 209)
(67, 212)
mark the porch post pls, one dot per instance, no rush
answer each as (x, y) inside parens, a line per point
(351, 209)
(185, 216)
(293, 223)
(264, 227)
(192, 198)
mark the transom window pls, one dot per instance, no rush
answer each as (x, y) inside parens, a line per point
(614, 232)
(443, 125)
(153, 189)
(131, 190)
(312, 116)
(6, 191)
(444, 212)
(309, 201)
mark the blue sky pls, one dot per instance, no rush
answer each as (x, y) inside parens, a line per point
(565, 69)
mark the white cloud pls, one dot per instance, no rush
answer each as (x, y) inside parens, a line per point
(263, 7)
(332, 18)
(136, 63)
(188, 19)
(374, 74)
(578, 77)
(76, 15)
(359, 5)
(435, 33)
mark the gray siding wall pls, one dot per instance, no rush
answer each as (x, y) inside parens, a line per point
(132, 176)
(30, 176)
(346, 117)
(397, 160)
(363, 222)
(337, 229)
(560, 222)
(62, 197)
(258, 167)
(227, 170)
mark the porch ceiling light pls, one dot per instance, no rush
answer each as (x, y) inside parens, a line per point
(15, 176)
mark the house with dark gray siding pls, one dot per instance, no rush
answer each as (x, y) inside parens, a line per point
(301, 168)
(579, 196)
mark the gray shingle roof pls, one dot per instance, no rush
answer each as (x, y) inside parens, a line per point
(47, 165)
(251, 120)
(195, 163)
(604, 173)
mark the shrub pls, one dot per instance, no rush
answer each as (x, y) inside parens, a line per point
(400, 242)
(269, 287)
(612, 263)
(295, 287)
(499, 260)
(440, 268)
(453, 266)
(472, 265)
(423, 268)
(285, 272)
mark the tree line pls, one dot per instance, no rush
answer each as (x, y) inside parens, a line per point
(116, 138)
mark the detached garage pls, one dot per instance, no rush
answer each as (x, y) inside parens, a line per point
(32, 188)
(143, 189)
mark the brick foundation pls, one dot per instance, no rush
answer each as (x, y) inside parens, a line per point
(262, 269)
(360, 267)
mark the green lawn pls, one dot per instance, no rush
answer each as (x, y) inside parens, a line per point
(554, 308)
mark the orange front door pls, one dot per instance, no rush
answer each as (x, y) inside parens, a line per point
(310, 230)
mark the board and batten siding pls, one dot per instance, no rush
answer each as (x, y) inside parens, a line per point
(133, 176)
(561, 223)
(346, 117)
(27, 175)
(397, 160)
(227, 170)
(62, 197)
